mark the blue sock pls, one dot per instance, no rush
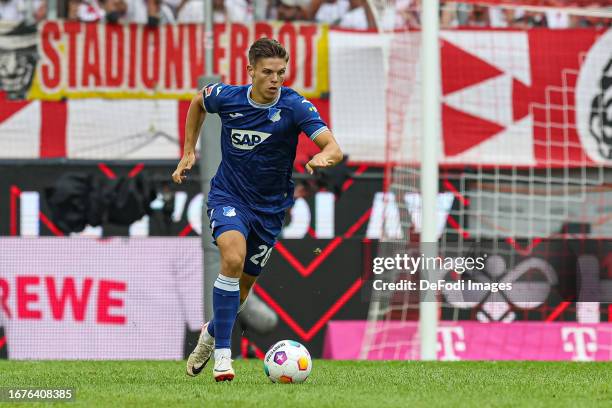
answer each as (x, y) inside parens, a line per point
(211, 323)
(226, 300)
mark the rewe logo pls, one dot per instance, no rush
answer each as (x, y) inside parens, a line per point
(247, 139)
(451, 341)
(32, 297)
(580, 341)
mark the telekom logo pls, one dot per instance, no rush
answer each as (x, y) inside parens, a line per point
(450, 341)
(580, 341)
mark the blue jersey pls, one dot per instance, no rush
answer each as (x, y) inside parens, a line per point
(258, 145)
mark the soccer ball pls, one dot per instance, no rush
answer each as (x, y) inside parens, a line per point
(287, 362)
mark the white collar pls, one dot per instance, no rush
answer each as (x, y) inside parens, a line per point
(262, 105)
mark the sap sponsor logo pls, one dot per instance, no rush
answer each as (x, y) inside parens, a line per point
(248, 139)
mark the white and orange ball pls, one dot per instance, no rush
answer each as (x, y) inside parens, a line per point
(287, 362)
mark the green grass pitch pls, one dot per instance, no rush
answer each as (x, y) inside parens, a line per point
(331, 384)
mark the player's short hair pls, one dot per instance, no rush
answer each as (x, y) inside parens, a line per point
(266, 48)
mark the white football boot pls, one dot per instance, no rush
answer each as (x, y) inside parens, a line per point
(223, 370)
(201, 354)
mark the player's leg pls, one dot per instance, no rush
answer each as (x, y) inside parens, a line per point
(226, 299)
(226, 221)
(258, 252)
(206, 342)
(246, 283)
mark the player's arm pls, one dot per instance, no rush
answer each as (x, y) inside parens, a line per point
(309, 121)
(195, 117)
(330, 153)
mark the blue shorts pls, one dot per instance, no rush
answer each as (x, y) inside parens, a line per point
(260, 231)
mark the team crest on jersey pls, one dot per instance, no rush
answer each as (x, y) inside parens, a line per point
(229, 211)
(248, 139)
(274, 114)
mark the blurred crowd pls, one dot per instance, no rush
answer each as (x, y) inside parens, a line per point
(349, 14)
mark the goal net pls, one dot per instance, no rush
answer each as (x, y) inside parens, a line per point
(525, 157)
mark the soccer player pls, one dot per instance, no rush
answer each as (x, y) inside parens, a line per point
(253, 187)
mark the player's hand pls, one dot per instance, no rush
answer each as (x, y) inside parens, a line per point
(183, 167)
(318, 161)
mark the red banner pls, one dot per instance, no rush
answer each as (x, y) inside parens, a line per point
(111, 60)
(532, 98)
